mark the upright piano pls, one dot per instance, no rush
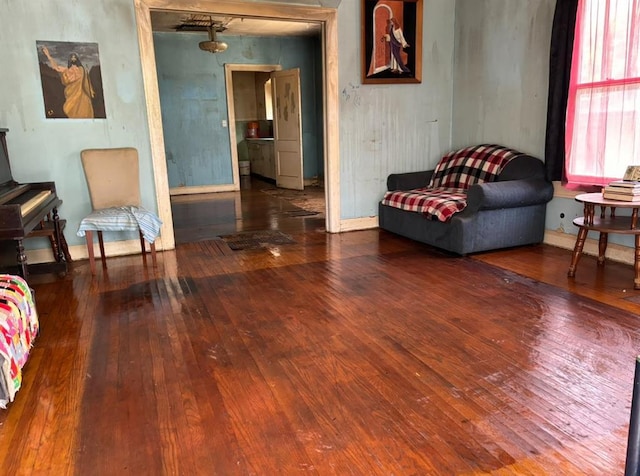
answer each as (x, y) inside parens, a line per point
(24, 207)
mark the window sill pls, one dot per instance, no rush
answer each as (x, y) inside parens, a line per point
(562, 192)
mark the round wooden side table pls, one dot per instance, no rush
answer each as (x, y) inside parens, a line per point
(605, 224)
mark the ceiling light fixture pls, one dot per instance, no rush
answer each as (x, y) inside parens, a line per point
(213, 46)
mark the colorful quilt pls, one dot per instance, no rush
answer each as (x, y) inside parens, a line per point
(446, 194)
(18, 328)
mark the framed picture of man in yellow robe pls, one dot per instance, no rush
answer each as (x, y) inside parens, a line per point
(71, 80)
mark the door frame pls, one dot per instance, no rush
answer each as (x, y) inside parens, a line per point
(327, 17)
(229, 69)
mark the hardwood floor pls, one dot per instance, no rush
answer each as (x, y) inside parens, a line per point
(204, 217)
(355, 353)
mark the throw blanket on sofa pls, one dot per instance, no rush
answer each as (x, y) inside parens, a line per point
(455, 173)
(471, 165)
(440, 203)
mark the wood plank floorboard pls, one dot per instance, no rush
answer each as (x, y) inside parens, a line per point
(360, 353)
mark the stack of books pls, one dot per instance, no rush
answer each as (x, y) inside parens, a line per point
(626, 190)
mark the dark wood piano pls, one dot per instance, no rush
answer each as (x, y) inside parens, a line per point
(24, 209)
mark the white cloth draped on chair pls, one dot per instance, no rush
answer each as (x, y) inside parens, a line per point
(127, 218)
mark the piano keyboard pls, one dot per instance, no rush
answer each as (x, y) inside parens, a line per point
(34, 201)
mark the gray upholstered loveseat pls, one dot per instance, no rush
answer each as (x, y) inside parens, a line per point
(476, 199)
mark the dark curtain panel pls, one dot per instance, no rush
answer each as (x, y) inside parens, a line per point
(564, 21)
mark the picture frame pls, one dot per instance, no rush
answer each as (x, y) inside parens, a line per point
(71, 79)
(391, 41)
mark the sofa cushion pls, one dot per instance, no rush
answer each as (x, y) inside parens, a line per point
(440, 203)
(465, 167)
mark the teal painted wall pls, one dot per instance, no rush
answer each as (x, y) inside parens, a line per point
(193, 101)
(383, 128)
(44, 149)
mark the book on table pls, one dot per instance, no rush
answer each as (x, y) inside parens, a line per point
(624, 190)
(627, 189)
(625, 184)
(625, 197)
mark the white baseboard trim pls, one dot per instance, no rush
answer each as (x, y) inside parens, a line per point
(43, 255)
(312, 182)
(615, 252)
(203, 189)
(79, 252)
(355, 224)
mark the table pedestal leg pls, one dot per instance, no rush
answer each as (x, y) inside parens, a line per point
(636, 264)
(602, 247)
(577, 251)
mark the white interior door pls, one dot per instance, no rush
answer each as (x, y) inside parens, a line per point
(287, 128)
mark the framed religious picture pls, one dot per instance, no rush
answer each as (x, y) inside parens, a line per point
(391, 41)
(71, 80)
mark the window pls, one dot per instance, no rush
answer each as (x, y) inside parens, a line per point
(603, 112)
(268, 101)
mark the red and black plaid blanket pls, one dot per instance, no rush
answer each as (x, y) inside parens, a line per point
(454, 174)
(440, 203)
(466, 167)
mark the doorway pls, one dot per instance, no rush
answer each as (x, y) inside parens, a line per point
(326, 17)
(266, 101)
(240, 115)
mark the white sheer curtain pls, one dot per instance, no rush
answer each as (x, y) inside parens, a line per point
(603, 113)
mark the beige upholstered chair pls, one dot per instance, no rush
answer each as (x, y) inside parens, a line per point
(113, 178)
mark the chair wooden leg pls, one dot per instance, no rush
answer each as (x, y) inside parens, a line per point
(142, 247)
(153, 255)
(102, 255)
(152, 246)
(92, 263)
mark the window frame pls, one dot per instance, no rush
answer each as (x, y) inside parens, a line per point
(576, 86)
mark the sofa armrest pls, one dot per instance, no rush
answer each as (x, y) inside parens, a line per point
(508, 194)
(409, 181)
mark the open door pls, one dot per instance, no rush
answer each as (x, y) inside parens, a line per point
(287, 128)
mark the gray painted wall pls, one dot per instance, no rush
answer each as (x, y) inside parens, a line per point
(501, 85)
(501, 73)
(392, 128)
(194, 102)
